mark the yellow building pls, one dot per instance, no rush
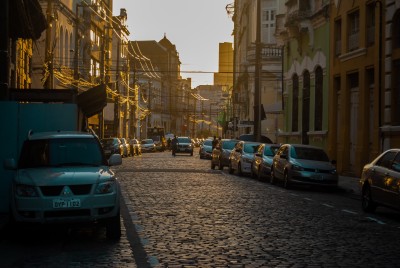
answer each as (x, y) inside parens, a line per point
(355, 94)
(224, 77)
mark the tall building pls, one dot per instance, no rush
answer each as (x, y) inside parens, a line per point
(356, 91)
(257, 71)
(224, 76)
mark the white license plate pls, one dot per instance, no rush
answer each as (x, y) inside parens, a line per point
(67, 203)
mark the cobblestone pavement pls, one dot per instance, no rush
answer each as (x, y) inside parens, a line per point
(185, 215)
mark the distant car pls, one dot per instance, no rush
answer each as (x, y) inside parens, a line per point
(148, 146)
(205, 150)
(184, 145)
(220, 154)
(262, 162)
(63, 177)
(303, 164)
(241, 157)
(126, 147)
(251, 137)
(136, 148)
(380, 182)
(112, 146)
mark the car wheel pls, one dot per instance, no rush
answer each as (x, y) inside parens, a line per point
(191, 154)
(286, 182)
(368, 205)
(272, 176)
(259, 175)
(239, 169)
(220, 166)
(113, 228)
(212, 165)
(230, 168)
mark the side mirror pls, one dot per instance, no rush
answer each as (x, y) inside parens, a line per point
(10, 164)
(115, 160)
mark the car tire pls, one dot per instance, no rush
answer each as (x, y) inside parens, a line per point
(272, 176)
(230, 168)
(220, 166)
(113, 228)
(212, 165)
(259, 176)
(286, 181)
(239, 169)
(191, 154)
(368, 205)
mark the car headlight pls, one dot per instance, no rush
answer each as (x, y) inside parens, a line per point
(297, 167)
(24, 190)
(105, 187)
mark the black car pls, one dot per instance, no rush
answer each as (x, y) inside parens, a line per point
(112, 146)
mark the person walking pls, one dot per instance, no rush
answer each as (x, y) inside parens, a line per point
(174, 144)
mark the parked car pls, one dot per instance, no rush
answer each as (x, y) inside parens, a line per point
(303, 164)
(112, 146)
(220, 154)
(126, 147)
(148, 146)
(241, 157)
(251, 137)
(184, 145)
(63, 177)
(205, 150)
(262, 162)
(380, 182)
(135, 146)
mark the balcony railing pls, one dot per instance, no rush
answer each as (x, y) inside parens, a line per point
(267, 53)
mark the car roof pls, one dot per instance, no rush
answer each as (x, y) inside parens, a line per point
(59, 135)
(303, 146)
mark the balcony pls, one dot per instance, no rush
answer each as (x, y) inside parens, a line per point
(269, 53)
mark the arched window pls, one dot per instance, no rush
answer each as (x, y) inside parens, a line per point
(305, 122)
(66, 49)
(318, 98)
(295, 104)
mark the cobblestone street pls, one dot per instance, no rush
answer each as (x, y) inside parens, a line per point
(187, 215)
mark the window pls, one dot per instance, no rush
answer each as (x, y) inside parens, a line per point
(338, 37)
(396, 93)
(268, 26)
(354, 30)
(370, 23)
(295, 104)
(318, 98)
(306, 107)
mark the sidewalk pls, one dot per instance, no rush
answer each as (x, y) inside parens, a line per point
(350, 185)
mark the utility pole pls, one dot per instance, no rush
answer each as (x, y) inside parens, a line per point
(116, 101)
(49, 50)
(257, 77)
(76, 47)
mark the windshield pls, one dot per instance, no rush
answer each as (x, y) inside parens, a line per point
(270, 150)
(184, 140)
(208, 142)
(250, 148)
(309, 154)
(229, 145)
(148, 141)
(61, 152)
(109, 141)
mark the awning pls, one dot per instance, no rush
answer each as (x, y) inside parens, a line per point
(93, 100)
(26, 19)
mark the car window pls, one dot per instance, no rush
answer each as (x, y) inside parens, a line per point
(386, 160)
(309, 154)
(396, 163)
(208, 142)
(228, 144)
(270, 150)
(250, 148)
(58, 152)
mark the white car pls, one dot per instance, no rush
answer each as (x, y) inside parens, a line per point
(242, 156)
(64, 177)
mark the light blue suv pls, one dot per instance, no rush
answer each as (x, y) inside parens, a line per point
(64, 177)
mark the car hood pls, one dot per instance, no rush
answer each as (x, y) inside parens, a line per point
(312, 164)
(63, 176)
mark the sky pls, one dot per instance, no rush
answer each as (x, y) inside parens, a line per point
(195, 27)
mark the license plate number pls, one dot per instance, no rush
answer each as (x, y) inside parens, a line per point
(66, 203)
